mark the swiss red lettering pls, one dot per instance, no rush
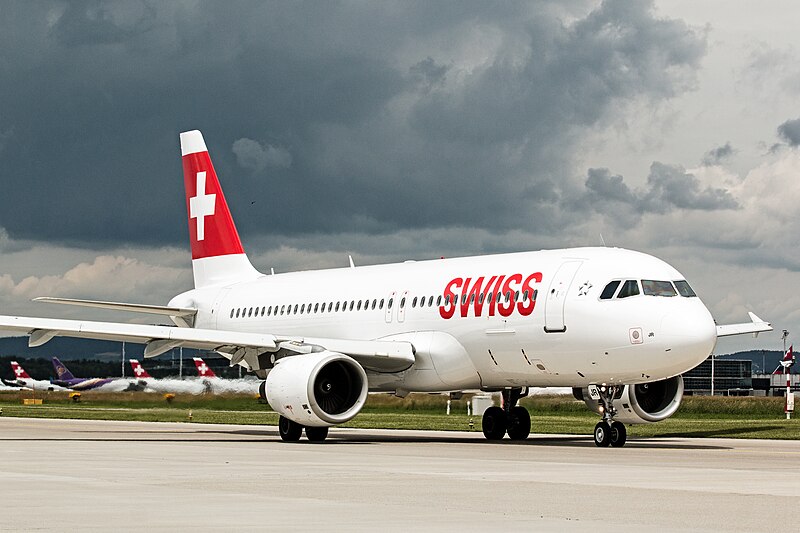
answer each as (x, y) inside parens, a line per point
(526, 308)
(448, 307)
(503, 294)
(506, 305)
(472, 295)
(495, 290)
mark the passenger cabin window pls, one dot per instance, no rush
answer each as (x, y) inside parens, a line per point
(629, 288)
(684, 289)
(609, 290)
(658, 288)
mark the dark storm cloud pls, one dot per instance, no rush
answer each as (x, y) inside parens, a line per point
(100, 22)
(336, 117)
(669, 187)
(717, 155)
(789, 131)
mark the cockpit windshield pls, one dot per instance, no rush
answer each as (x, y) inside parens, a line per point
(684, 289)
(617, 288)
(658, 288)
(629, 288)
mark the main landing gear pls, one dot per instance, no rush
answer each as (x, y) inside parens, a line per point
(608, 431)
(510, 418)
(291, 431)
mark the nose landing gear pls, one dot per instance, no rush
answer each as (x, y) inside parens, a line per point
(608, 431)
(510, 418)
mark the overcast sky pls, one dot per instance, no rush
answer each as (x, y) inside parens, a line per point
(404, 130)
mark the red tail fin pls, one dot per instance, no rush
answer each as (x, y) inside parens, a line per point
(211, 226)
(202, 368)
(217, 252)
(19, 372)
(138, 370)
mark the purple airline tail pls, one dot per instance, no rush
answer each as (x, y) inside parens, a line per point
(62, 372)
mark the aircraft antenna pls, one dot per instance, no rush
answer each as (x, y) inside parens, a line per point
(352, 265)
(602, 240)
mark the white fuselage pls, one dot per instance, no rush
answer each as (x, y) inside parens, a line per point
(553, 331)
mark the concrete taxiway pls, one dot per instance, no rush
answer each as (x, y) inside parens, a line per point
(94, 475)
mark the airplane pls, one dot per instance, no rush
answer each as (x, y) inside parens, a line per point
(25, 381)
(67, 380)
(202, 368)
(138, 370)
(616, 325)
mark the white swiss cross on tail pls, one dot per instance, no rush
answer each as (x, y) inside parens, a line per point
(202, 205)
(217, 253)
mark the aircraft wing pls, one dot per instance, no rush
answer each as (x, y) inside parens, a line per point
(755, 326)
(382, 356)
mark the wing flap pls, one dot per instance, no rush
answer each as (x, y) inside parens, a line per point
(755, 326)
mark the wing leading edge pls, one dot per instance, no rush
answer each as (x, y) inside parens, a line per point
(378, 355)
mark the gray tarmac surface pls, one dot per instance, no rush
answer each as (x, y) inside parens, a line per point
(94, 475)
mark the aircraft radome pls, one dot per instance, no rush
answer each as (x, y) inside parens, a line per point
(617, 326)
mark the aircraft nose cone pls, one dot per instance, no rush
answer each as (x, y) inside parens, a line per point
(689, 336)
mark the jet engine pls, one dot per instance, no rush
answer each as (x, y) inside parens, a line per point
(316, 389)
(639, 404)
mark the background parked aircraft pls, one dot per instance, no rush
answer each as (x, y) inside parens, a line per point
(24, 380)
(66, 379)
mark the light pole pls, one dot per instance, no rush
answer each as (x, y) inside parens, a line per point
(789, 405)
(712, 374)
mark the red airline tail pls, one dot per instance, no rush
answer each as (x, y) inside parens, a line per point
(19, 372)
(138, 370)
(202, 368)
(217, 253)
(786, 362)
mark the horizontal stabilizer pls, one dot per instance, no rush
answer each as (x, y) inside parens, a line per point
(755, 327)
(120, 306)
(184, 314)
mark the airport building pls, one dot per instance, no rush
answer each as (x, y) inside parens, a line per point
(734, 377)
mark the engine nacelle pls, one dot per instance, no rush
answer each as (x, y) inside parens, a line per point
(316, 389)
(643, 403)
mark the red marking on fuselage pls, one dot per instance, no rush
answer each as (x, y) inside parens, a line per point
(499, 292)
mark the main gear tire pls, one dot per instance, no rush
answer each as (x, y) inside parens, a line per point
(519, 423)
(494, 423)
